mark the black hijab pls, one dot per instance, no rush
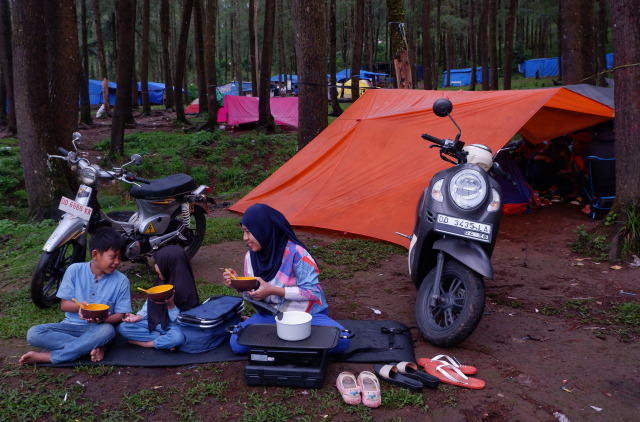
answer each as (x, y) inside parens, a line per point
(272, 230)
(175, 267)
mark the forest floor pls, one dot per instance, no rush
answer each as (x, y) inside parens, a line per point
(555, 319)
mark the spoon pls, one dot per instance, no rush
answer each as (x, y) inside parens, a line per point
(79, 304)
(146, 291)
(232, 276)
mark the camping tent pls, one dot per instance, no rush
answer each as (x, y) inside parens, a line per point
(194, 106)
(515, 198)
(291, 79)
(232, 88)
(95, 92)
(245, 110)
(544, 67)
(344, 74)
(366, 171)
(156, 92)
(461, 77)
(610, 61)
(346, 92)
(597, 93)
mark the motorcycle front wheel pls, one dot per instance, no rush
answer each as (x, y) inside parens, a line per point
(50, 270)
(450, 321)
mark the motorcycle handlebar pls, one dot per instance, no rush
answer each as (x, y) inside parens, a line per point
(63, 151)
(433, 139)
(132, 178)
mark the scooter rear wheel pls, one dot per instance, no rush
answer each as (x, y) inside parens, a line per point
(456, 316)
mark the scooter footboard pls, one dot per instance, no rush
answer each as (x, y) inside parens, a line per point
(69, 228)
(467, 252)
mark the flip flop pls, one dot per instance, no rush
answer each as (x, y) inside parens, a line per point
(452, 375)
(411, 370)
(390, 374)
(370, 387)
(465, 369)
(348, 387)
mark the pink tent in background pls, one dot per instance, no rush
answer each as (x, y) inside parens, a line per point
(245, 110)
(194, 107)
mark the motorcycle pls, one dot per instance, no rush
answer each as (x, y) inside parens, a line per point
(171, 211)
(457, 222)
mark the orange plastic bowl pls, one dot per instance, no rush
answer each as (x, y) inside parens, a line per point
(95, 311)
(245, 283)
(160, 293)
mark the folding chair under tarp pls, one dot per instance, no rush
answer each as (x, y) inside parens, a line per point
(600, 185)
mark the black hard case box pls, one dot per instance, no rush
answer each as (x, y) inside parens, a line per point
(280, 374)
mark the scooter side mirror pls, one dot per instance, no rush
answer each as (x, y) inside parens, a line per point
(442, 107)
(136, 159)
(514, 145)
(76, 137)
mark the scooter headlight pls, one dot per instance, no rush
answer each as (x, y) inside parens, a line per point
(88, 176)
(467, 189)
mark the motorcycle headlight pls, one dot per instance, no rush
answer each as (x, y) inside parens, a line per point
(88, 176)
(467, 189)
(495, 201)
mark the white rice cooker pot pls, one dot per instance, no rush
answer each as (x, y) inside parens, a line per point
(293, 326)
(480, 155)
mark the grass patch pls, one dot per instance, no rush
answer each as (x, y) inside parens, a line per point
(343, 258)
(18, 314)
(40, 403)
(627, 314)
(222, 229)
(593, 245)
(397, 398)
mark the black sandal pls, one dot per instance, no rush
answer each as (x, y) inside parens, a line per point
(390, 374)
(411, 370)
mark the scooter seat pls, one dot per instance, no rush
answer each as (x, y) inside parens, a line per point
(175, 184)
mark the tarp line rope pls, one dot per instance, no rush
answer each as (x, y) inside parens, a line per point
(603, 72)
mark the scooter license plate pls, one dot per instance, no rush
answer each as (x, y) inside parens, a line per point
(463, 228)
(77, 210)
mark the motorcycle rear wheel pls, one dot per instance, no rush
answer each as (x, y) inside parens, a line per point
(50, 270)
(451, 321)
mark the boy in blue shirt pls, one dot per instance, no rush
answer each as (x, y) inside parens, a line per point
(97, 281)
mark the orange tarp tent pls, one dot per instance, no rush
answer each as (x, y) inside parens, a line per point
(365, 172)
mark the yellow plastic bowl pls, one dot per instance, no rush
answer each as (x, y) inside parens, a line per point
(160, 293)
(95, 311)
(245, 283)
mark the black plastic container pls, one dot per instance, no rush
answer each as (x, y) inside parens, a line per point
(271, 371)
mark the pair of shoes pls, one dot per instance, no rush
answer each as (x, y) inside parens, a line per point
(365, 388)
(450, 371)
(406, 375)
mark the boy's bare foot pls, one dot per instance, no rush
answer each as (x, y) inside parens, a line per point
(142, 343)
(97, 354)
(35, 357)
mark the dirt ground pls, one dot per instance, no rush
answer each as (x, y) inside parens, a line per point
(524, 377)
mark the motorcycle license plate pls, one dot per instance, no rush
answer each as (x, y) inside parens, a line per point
(77, 210)
(463, 228)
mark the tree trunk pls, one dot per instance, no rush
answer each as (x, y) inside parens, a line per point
(472, 45)
(238, 56)
(134, 76)
(577, 41)
(165, 27)
(602, 41)
(625, 20)
(560, 46)
(6, 54)
(125, 25)
(396, 19)
(3, 98)
(508, 44)
(589, 42)
(426, 44)
(335, 104)
(198, 29)
(210, 64)
(356, 58)
(181, 60)
(484, 44)
(282, 64)
(311, 65)
(265, 119)
(83, 76)
(102, 58)
(144, 63)
(253, 6)
(436, 57)
(493, 53)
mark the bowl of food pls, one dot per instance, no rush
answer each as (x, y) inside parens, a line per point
(95, 311)
(245, 283)
(160, 293)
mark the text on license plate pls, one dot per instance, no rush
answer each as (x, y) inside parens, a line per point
(78, 210)
(464, 224)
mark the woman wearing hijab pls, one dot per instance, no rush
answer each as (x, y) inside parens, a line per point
(161, 329)
(287, 272)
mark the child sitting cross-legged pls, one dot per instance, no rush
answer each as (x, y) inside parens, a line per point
(97, 281)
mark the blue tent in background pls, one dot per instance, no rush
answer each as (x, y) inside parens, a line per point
(156, 92)
(345, 74)
(95, 92)
(461, 77)
(544, 67)
(232, 88)
(292, 78)
(610, 61)
(419, 72)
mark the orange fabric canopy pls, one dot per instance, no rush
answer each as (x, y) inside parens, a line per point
(365, 173)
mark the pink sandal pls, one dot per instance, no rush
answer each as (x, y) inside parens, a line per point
(370, 387)
(349, 388)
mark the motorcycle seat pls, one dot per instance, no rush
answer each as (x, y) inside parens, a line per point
(175, 184)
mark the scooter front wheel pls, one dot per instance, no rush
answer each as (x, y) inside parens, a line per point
(456, 315)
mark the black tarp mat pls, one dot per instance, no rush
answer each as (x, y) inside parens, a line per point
(368, 334)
